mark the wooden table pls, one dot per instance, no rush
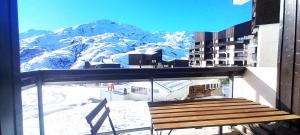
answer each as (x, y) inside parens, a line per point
(169, 115)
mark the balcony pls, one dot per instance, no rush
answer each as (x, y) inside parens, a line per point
(198, 58)
(240, 58)
(198, 46)
(222, 51)
(222, 58)
(257, 84)
(239, 49)
(231, 42)
(56, 98)
(222, 44)
(66, 96)
(198, 52)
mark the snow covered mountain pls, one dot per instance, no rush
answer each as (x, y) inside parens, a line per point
(101, 41)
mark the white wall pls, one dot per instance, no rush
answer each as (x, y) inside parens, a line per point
(267, 50)
(257, 84)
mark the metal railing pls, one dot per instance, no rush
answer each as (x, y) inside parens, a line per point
(38, 78)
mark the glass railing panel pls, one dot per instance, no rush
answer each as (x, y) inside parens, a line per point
(165, 90)
(66, 106)
(30, 111)
(128, 104)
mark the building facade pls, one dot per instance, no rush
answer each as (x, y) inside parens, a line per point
(252, 43)
(154, 61)
(228, 47)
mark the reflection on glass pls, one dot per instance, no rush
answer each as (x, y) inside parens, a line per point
(191, 89)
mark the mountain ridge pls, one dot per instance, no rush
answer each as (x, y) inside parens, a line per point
(100, 41)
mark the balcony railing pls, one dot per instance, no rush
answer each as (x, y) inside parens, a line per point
(198, 58)
(223, 51)
(240, 58)
(222, 58)
(198, 52)
(240, 49)
(39, 78)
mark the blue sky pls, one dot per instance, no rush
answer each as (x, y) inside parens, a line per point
(151, 15)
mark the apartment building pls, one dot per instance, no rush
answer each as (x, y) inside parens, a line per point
(228, 47)
(201, 53)
(251, 43)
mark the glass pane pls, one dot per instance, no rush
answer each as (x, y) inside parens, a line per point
(192, 89)
(66, 106)
(30, 111)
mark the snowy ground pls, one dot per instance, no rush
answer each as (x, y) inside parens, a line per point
(65, 108)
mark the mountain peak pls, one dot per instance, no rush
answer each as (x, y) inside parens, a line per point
(33, 32)
(98, 41)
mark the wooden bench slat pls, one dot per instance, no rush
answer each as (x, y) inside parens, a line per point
(248, 105)
(220, 112)
(201, 105)
(202, 101)
(92, 115)
(217, 117)
(179, 125)
(100, 121)
(95, 111)
(168, 115)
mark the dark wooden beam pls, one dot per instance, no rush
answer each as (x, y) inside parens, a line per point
(288, 93)
(267, 11)
(281, 23)
(10, 92)
(286, 68)
(53, 76)
(296, 87)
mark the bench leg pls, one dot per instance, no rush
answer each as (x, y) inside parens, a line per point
(244, 129)
(170, 132)
(151, 129)
(220, 130)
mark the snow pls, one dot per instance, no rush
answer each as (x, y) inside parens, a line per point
(65, 108)
(101, 41)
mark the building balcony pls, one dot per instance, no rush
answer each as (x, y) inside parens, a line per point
(133, 88)
(231, 42)
(198, 52)
(240, 49)
(223, 51)
(198, 58)
(240, 58)
(56, 102)
(198, 46)
(223, 58)
(222, 44)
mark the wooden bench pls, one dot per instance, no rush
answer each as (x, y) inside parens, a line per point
(212, 112)
(95, 112)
